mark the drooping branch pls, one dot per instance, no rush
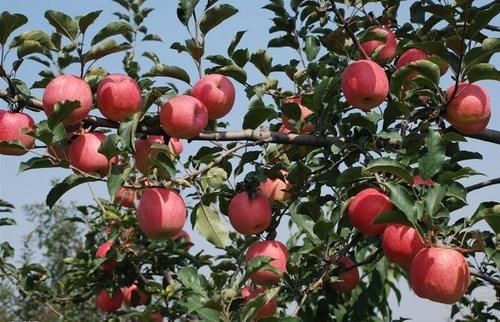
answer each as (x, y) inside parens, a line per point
(483, 184)
(493, 281)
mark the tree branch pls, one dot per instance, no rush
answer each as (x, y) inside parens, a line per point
(483, 184)
(495, 282)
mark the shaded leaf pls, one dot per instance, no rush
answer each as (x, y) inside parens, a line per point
(432, 161)
(390, 166)
(112, 29)
(63, 23)
(9, 23)
(85, 21)
(216, 15)
(62, 187)
(162, 70)
(104, 48)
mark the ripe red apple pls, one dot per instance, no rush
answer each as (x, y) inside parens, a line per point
(365, 207)
(134, 296)
(11, 129)
(68, 88)
(126, 197)
(108, 303)
(419, 181)
(161, 213)
(274, 249)
(183, 117)
(364, 84)
(304, 113)
(102, 251)
(175, 146)
(276, 189)
(83, 153)
(144, 153)
(388, 51)
(413, 54)
(217, 93)
(118, 96)
(440, 275)
(249, 216)
(268, 309)
(349, 277)
(469, 111)
(401, 243)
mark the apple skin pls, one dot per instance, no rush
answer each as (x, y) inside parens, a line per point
(268, 309)
(364, 84)
(400, 244)
(413, 54)
(183, 117)
(144, 153)
(249, 216)
(276, 189)
(469, 111)
(11, 126)
(118, 96)
(217, 93)
(133, 292)
(68, 88)
(279, 254)
(365, 207)
(349, 277)
(161, 213)
(126, 197)
(108, 303)
(440, 275)
(175, 146)
(101, 252)
(304, 113)
(389, 50)
(83, 153)
(419, 181)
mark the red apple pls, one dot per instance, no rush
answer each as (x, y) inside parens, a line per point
(217, 93)
(412, 55)
(401, 243)
(365, 207)
(364, 84)
(268, 309)
(83, 153)
(304, 113)
(419, 181)
(175, 146)
(250, 215)
(161, 213)
(276, 189)
(126, 197)
(102, 252)
(144, 153)
(108, 303)
(133, 296)
(183, 117)
(279, 254)
(469, 111)
(68, 88)
(11, 129)
(182, 234)
(388, 50)
(440, 275)
(118, 96)
(349, 277)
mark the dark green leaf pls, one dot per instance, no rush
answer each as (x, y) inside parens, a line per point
(112, 29)
(235, 72)
(390, 166)
(305, 224)
(41, 163)
(490, 212)
(9, 23)
(262, 61)
(104, 48)
(401, 198)
(481, 54)
(62, 187)
(210, 226)
(253, 307)
(482, 19)
(483, 71)
(215, 15)
(116, 178)
(432, 161)
(85, 21)
(63, 23)
(189, 277)
(392, 217)
(168, 71)
(258, 114)
(236, 40)
(152, 37)
(62, 111)
(433, 198)
(7, 222)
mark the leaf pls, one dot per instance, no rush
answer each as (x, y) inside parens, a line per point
(189, 278)
(284, 41)
(215, 178)
(306, 224)
(85, 21)
(116, 178)
(112, 29)
(433, 198)
(236, 40)
(63, 23)
(104, 48)
(256, 264)
(235, 72)
(162, 70)
(185, 10)
(7, 222)
(425, 68)
(41, 163)
(128, 128)
(490, 212)
(210, 226)
(481, 20)
(164, 163)
(262, 61)
(390, 166)
(9, 23)
(250, 309)
(152, 37)
(432, 161)
(62, 187)
(257, 114)
(215, 15)
(33, 35)
(392, 217)
(481, 54)
(62, 111)
(311, 47)
(401, 198)
(483, 71)
(110, 146)
(349, 176)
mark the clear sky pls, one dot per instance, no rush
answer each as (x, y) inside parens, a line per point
(31, 187)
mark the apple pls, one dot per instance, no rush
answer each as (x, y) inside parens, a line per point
(183, 117)
(161, 213)
(304, 113)
(419, 181)
(217, 93)
(118, 96)
(250, 215)
(144, 153)
(68, 88)
(440, 275)
(413, 54)
(126, 197)
(388, 50)
(133, 296)
(469, 111)
(279, 254)
(365, 207)
(83, 153)
(183, 234)
(175, 146)
(108, 303)
(276, 189)
(102, 252)
(155, 317)
(364, 84)
(401, 243)
(348, 279)
(268, 309)
(11, 129)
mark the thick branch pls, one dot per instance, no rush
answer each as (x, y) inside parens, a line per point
(495, 282)
(483, 184)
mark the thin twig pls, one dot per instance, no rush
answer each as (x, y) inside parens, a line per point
(495, 282)
(483, 184)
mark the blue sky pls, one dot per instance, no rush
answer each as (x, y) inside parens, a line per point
(33, 186)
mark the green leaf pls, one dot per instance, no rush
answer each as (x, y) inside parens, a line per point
(236, 40)
(306, 224)
(164, 162)
(49, 135)
(185, 10)
(311, 47)
(162, 70)
(85, 21)
(481, 54)
(104, 48)
(235, 72)
(7, 222)
(128, 128)
(256, 264)
(490, 212)
(110, 146)
(64, 24)
(9, 23)
(390, 166)
(215, 178)
(432, 161)
(41, 163)
(349, 176)
(250, 310)
(392, 217)
(112, 29)
(210, 226)
(425, 68)
(483, 71)
(62, 187)
(433, 198)
(116, 179)
(401, 198)
(33, 35)
(258, 114)
(189, 277)
(481, 20)
(262, 61)
(62, 111)
(215, 15)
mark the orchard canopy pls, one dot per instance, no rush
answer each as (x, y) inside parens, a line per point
(324, 169)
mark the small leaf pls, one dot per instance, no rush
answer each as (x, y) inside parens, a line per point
(62, 187)
(116, 178)
(162, 70)
(9, 23)
(41, 163)
(189, 277)
(210, 226)
(306, 224)
(432, 161)
(110, 146)
(215, 15)
(63, 23)
(250, 310)
(112, 29)
(390, 166)
(85, 21)
(262, 61)
(402, 199)
(185, 10)
(312, 47)
(392, 217)
(7, 222)
(234, 43)
(235, 72)
(104, 48)
(433, 198)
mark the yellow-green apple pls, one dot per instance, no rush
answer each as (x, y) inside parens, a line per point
(276, 189)
(183, 117)
(68, 88)
(108, 303)
(469, 110)
(387, 52)
(413, 54)
(134, 296)
(419, 181)
(364, 84)
(401, 243)
(367, 205)
(348, 278)
(126, 197)
(83, 153)
(161, 213)
(279, 256)
(118, 96)
(304, 113)
(268, 309)
(440, 275)
(11, 129)
(102, 252)
(217, 93)
(250, 214)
